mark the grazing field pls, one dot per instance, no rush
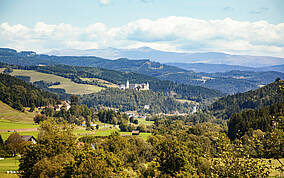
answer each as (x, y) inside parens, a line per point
(11, 119)
(7, 124)
(187, 101)
(65, 83)
(5, 175)
(100, 81)
(9, 164)
(9, 114)
(145, 136)
(143, 121)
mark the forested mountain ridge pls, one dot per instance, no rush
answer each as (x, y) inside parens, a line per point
(231, 82)
(76, 73)
(28, 58)
(265, 96)
(18, 94)
(225, 82)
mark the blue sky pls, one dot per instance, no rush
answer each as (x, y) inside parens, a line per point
(118, 12)
(43, 25)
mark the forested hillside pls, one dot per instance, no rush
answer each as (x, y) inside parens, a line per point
(77, 74)
(28, 58)
(132, 100)
(260, 131)
(228, 82)
(263, 119)
(18, 94)
(265, 96)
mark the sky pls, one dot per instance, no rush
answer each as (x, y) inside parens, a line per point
(253, 27)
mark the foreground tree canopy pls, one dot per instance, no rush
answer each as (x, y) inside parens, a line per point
(170, 152)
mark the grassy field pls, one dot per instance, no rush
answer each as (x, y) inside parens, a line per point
(143, 121)
(9, 164)
(145, 136)
(101, 82)
(7, 124)
(13, 119)
(4, 175)
(9, 114)
(65, 83)
(187, 101)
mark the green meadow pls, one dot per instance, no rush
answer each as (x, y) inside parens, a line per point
(143, 121)
(65, 83)
(9, 114)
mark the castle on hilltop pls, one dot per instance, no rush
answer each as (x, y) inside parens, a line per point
(134, 86)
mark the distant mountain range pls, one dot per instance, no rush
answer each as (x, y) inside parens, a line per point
(225, 78)
(212, 68)
(171, 57)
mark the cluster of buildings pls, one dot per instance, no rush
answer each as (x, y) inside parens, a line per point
(134, 86)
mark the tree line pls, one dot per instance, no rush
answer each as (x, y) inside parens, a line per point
(19, 94)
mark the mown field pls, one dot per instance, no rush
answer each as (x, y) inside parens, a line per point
(187, 101)
(65, 83)
(9, 114)
(101, 82)
(9, 164)
(143, 121)
(7, 124)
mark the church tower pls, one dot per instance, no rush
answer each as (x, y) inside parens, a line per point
(127, 84)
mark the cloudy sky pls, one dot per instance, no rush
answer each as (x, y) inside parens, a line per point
(254, 27)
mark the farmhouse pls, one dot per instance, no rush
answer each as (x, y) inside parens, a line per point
(135, 132)
(29, 138)
(134, 86)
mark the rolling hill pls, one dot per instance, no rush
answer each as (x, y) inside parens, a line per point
(19, 94)
(66, 84)
(8, 114)
(227, 81)
(80, 74)
(265, 96)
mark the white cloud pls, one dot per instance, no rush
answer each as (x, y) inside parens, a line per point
(104, 2)
(168, 34)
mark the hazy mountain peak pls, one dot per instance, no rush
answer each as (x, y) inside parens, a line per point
(175, 57)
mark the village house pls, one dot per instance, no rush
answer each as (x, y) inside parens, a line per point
(135, 132)
(29, 138)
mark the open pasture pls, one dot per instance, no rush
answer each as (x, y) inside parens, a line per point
(65, 83)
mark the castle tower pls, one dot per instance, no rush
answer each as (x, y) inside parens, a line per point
(127, 84)
(147, 86)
